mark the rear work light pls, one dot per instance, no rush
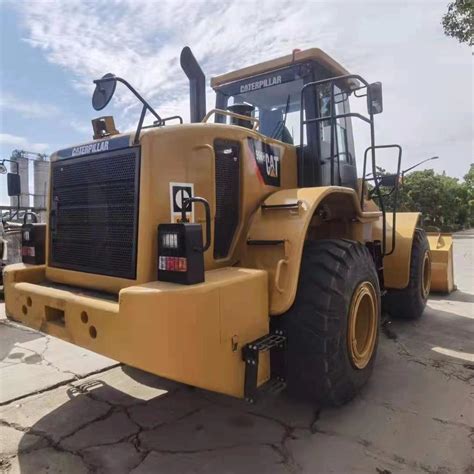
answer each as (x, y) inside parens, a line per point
(181, 249)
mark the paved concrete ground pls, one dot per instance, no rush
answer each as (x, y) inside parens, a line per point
(66, 410)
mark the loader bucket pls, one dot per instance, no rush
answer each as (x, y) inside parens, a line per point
(442, 274)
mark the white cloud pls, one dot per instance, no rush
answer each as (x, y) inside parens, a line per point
(426, 76)
(81, 127)
(22, 143)
(141, 40)
(29, 109)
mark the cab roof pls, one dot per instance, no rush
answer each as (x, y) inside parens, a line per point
(313, 54)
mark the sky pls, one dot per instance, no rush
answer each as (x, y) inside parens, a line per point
(51, 51)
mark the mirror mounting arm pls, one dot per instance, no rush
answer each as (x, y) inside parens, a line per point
(136, 140)
(146, 105)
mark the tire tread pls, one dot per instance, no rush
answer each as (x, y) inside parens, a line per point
(317, 365)
(408, 302)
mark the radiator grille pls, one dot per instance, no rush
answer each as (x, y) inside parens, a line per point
(227, 195)
(94, 213)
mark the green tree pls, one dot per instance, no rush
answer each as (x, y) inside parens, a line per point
(444, 202)
(467, 194)
(431, 194)
(458, 22)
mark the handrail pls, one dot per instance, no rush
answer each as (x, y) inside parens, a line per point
(395, 189)
(329, 117)
(156, 124)
(332, 118)
(232, 114)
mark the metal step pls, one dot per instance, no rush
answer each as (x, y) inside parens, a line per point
(275, 342)
(272, 387)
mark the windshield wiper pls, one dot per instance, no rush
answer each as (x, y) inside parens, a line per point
(281, 123)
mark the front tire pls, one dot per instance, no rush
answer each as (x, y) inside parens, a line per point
(410, 302)
(333, 325)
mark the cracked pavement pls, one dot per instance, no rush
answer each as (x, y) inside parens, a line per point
(67, 410)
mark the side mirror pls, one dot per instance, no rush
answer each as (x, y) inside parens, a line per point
(374, 98)
(388, 181)
(104, 90)
(13, 184)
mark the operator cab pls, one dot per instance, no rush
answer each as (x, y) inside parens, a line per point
(272, 93)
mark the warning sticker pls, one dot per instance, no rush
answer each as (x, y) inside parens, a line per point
(178, 193)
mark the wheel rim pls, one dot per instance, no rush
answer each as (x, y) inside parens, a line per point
(363, 325)
(426, 275)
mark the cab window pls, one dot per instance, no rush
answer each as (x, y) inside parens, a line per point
(341, 107)
(277, 108)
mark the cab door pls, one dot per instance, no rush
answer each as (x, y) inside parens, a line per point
(344, 168)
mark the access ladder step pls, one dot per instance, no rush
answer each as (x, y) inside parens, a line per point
(265, 343)
(272, 387)
(275, 342)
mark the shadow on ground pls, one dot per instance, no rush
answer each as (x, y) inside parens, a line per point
(15, 336)
(125, 420)
(457, 295)
(415, 416)
(181, 430)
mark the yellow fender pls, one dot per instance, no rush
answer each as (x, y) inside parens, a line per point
(397, 265)
(442, 271)
(277, 234)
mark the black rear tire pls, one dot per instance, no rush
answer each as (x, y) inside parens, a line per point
(410, 302)
(319, 365)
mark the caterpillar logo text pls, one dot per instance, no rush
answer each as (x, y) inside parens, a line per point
(267, 158)
(272, 163)
(267, 82)
(91, 148)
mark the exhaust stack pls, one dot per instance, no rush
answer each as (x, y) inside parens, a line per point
(197, 84)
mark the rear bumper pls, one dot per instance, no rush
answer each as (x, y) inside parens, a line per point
(191, 334)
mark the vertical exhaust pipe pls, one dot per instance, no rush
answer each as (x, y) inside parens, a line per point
(197, 84)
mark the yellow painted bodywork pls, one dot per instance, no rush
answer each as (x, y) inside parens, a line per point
(282, 262)
(442, 268)
(345, 220)
(185, 333)
(184, 153)
(397, 265)
(192, 334)
(312, 54)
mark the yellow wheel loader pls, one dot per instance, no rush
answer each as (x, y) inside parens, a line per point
(238, 253)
